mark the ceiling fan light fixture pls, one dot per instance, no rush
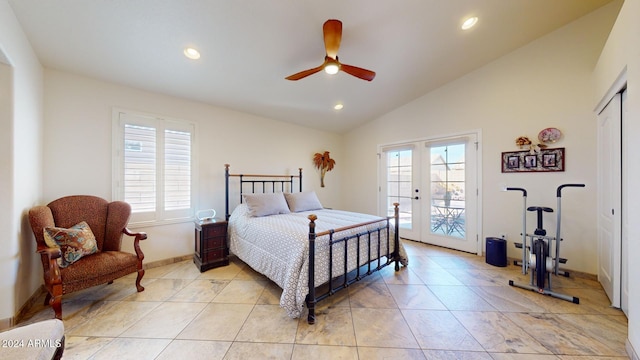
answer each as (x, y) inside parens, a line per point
(192, 53)
(331, 68)
(469, 23)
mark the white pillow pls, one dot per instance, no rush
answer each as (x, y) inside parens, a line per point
(303, 201)
(266, 204)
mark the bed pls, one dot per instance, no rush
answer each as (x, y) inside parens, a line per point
(309, 251)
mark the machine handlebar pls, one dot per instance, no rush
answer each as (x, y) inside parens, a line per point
(524, 192)
(558, 192)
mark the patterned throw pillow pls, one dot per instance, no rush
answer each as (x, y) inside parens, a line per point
(76, 242)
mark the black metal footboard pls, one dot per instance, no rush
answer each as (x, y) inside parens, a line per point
(350, 274)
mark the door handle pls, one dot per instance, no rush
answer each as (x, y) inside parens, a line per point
(417, 198)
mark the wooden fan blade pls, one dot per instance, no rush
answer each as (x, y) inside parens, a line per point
(332, 30)
(361, 73)
(305, 73)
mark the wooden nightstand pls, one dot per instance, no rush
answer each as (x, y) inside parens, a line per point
(211, 244)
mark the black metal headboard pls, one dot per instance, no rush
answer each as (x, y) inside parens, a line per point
(274, 183)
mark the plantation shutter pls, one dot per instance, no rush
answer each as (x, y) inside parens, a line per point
(177, 170)
(140, 167)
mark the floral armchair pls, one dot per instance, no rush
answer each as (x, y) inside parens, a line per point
(79, 239)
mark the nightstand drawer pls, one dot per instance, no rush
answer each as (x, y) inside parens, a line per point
(215, 254)
(215, 242)
(211, 231)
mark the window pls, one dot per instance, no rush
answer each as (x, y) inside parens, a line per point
(153, 167)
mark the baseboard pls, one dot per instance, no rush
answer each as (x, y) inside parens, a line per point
(164, 262)
(633, 355)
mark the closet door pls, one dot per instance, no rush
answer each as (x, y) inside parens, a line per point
(609, 199)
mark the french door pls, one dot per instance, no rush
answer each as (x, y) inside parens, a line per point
(436, 184)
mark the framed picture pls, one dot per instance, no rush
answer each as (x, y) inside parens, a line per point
(513, 162)
(541, 161)
(548, 160)
(530, 161)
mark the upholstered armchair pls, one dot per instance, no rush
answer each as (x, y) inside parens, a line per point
(97, 226)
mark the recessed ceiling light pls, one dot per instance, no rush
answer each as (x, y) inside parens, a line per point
(338, 106)
(192, 53)
(469, 23)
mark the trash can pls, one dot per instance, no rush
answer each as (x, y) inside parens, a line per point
(496, 251)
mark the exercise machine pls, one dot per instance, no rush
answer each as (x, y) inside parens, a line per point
(541, 253)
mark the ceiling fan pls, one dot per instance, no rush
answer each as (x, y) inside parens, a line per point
(332, 30)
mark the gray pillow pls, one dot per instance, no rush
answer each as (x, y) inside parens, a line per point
(303, 201)
(266, 204)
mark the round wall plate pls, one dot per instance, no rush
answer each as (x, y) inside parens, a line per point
(549, 135)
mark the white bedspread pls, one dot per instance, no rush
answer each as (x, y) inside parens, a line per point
(278, 247)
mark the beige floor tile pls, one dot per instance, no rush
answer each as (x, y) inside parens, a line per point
(458, 355)
(477, 277)
(415, 297)
(113, 320)
(241, 292)
(183, 270)
(382, 328)
(268, 323)
(440, 330)
(453, 262)
(373, 353)
(497, 333)
(165, 321)
(607, 329)
(217, 322)
(271, 294)
(371, 295)
(333, 327)
(195, 350)
(228, 272)
(406, 275)
(323, 352)
(561, 337)
(83, 347)
(126, 348)
(437, 276)
(506, 299)
(204, 290)
(159, 290)
(247, 273)
(512, 356)
(258, 351)
(460, 298)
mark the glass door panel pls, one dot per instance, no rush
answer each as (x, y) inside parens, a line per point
(400, 187)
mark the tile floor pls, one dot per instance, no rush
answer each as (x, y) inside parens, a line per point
(444, 305)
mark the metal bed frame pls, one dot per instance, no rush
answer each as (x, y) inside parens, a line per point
(373, 264)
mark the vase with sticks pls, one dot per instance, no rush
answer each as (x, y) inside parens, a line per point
(324, 163)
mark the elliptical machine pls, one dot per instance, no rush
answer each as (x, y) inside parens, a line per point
(537, 254)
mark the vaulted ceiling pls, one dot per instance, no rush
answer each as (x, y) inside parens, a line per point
(248, 47)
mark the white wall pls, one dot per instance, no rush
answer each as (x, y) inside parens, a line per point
(21, 150)
(78, 116)
(546, 83)
(622, 51)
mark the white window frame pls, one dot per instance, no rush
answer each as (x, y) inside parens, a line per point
(161, 123)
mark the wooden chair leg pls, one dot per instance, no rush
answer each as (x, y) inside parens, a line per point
(138, 279)
(55, 300)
